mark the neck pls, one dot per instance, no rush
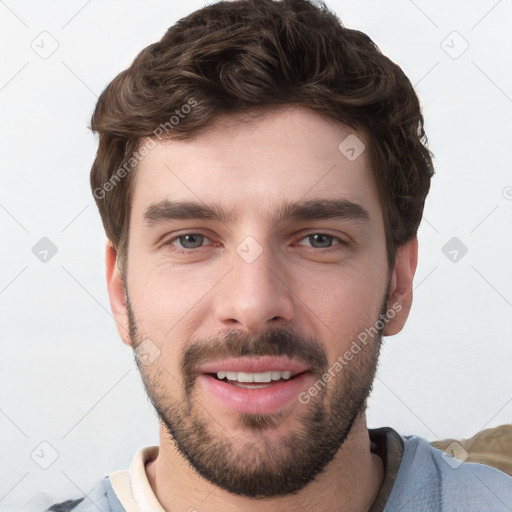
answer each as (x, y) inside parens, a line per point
(350, 482)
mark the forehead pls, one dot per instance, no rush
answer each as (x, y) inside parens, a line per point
(252, 163)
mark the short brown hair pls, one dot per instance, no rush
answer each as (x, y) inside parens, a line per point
(237, 55)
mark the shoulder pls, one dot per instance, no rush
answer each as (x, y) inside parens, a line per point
(71, 505)
(429, 479)
(102, 498)
(65, 506)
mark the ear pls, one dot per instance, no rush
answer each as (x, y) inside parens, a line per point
(400, 288)
(117, 294)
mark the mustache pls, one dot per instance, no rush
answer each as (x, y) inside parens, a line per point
(278, 342)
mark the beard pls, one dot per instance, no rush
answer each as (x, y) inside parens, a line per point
(256, 464)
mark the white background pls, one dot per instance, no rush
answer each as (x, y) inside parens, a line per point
(66, 378)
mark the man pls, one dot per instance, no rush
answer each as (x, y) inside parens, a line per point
(261, 175)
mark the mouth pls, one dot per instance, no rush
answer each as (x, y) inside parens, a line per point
(254, 385)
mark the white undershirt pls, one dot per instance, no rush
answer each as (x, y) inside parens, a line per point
(132, 486)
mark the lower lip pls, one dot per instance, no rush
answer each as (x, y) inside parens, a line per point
(255, 401)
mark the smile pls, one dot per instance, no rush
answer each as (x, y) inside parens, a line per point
(268, 376)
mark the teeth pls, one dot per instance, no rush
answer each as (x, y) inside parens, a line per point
(261, 377)
(254, 377)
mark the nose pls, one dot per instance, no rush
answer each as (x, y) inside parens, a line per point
(255, 295)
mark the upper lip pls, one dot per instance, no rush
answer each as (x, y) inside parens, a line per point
(254, 365)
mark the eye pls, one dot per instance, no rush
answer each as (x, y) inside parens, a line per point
(187, 241)
(322, 240)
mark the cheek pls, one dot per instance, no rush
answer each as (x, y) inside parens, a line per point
(343, 305)
(164, 296)
(341, 293)
(166, 305)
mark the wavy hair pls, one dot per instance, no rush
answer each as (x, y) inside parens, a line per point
(237, 55)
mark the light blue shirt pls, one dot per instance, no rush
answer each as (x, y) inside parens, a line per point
(428, 480)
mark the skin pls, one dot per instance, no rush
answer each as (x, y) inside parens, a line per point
(251, 166)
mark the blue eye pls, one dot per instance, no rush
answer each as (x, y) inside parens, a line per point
(185, 243)
(324, 240)
(195, 240)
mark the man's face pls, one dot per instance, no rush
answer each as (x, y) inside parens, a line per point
(260, 292)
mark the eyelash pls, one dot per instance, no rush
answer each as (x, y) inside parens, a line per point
(169, 244)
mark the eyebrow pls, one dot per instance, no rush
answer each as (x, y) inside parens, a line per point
(316, 209)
